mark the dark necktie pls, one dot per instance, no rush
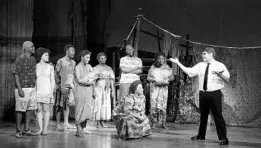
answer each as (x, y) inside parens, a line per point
(205, 84)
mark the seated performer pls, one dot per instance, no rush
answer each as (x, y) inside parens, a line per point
(129, 116)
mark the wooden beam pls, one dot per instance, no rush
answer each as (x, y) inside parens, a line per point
(186, 56)
(158, 35)
(151, 34)
(137, 34)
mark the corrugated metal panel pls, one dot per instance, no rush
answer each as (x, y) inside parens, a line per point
(16, 26)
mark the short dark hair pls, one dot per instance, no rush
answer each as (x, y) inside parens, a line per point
(83, 53)
(160, 54)
(39, 53)
(156, 63)
(67, 47)
(211, 50)
(100, 54)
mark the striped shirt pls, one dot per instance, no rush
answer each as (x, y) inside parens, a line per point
(130, 62)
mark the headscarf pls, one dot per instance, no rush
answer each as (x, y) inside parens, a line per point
(134, 86)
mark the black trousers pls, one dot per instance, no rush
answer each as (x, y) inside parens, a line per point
(211, 101)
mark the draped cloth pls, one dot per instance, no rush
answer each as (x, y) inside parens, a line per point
(241, 98)
(130, 119)
(171, 46)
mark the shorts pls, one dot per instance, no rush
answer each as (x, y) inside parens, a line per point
(25, 103)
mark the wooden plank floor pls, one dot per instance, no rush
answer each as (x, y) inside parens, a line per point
(178, 136)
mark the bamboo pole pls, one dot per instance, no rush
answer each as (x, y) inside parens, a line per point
(137, 32)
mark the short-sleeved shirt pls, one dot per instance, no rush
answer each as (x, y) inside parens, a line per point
(214, 81)
(24, 67)
(130, 62)
(65, 68)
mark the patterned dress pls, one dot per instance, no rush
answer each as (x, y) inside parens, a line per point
(102, 93)
(45, 84)
(83, 95)
(130, 118)
(158, 98)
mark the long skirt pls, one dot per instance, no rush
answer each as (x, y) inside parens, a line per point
(158, 103)
(129, 127)
(83, 101)
(101, 105)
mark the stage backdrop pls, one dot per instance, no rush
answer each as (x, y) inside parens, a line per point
(16, 26)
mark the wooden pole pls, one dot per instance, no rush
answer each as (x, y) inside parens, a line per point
(137, 32)
(186, 56)
(114, 70)
(113, 61)
(158, 38)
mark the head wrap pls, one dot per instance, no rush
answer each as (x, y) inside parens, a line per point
(134, 86)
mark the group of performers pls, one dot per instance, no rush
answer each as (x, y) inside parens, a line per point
(91, 90)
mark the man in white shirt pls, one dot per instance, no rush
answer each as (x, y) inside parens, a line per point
(130, 66)
(211, 76)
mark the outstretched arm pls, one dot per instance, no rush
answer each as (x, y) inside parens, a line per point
(189, 71)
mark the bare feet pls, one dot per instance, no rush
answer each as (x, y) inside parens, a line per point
(59, 128)
(164, 126)
(79, 134)
(39, 132)
(44, 132)
(103, 125)
(86, 131)
(19, 134)
(98, 126)
(68, 126)
(153, 126)
(29, 133)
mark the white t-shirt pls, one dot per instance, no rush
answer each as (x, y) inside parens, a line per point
(130, 62)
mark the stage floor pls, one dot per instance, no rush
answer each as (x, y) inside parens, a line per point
(178, 136)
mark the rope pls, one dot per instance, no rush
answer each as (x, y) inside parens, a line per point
(127, 38)
(131, 30)
(193, 42)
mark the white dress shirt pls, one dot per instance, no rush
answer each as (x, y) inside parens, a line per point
(214, 81)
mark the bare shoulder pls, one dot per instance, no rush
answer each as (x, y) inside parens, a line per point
(51, 66)
(108, 67)
(78, 66)
(74, 63)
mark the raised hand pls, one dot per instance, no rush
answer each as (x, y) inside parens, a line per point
(174, 60)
